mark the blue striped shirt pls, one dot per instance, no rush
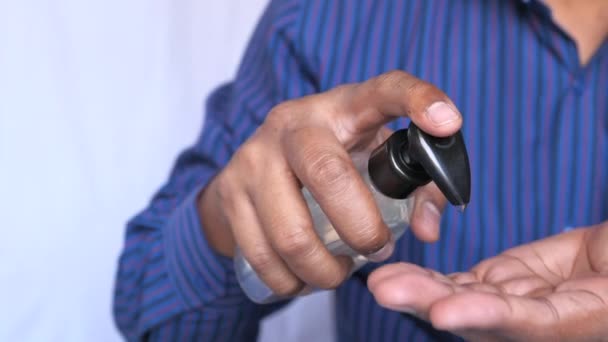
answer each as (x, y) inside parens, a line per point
(535, 122)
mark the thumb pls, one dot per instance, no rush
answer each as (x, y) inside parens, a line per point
(429, 203)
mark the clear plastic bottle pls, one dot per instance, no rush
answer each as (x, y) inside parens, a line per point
(408, 159)
(395, 213)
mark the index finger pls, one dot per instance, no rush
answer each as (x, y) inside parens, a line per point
(371, 104)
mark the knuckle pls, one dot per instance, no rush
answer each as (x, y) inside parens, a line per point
(397, 75)
(249, 155)
(328, 169)
(281, 113)
(286, 120)
(420, 87)
(394, 79)
(279, 110)
(295, 244)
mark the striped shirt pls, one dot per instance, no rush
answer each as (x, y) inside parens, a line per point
(535, 123)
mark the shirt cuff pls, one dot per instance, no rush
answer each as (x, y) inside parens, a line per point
(201, 276)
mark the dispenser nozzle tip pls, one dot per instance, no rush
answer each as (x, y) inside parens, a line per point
(461, 208)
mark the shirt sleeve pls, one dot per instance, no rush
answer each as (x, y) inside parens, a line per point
(170, 284)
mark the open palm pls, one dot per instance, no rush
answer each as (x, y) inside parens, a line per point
(550, 290)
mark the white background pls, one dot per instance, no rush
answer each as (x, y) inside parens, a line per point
(96, 100)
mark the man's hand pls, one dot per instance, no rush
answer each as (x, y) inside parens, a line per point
(555, 289)
(256, 200)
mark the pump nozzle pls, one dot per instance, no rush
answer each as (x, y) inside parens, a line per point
(410, 158)
(446, 162)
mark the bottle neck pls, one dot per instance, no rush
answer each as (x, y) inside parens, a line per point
(391, 169)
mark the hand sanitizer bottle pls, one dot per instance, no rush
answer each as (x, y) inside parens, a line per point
(408, 159)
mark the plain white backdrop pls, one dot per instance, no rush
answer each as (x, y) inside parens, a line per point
(96, 100)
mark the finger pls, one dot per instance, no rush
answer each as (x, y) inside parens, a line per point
(379, 100)
(502, 268)
(287, 224)
(399, 268)
(390, 270)
(403, 292)
(429, 203)
(256, 249)
(322, 164)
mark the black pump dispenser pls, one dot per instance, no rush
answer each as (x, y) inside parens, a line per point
(410, 158)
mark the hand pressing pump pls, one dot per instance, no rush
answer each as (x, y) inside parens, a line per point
(408, 159)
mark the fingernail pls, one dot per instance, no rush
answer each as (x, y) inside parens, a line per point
(383, 253)
(431, 213)
(440, 113)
